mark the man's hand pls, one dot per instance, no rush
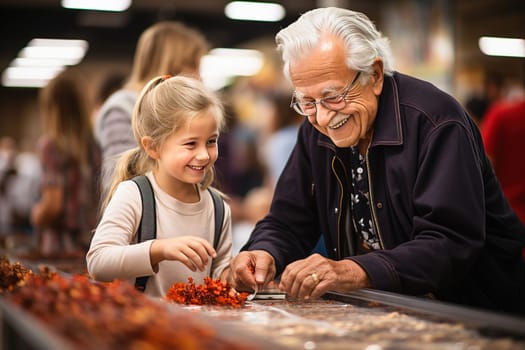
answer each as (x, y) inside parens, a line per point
(316, 275)
(251, 270)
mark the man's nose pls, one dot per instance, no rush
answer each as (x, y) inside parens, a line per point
(322, 115)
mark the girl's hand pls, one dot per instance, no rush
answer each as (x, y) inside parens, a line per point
(194, 252)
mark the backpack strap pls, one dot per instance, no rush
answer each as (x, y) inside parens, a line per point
(218, 204)
(148, 221)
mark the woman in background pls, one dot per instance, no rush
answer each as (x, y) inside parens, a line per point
(67, 209)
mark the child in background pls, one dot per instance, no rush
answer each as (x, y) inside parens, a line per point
(176, 123)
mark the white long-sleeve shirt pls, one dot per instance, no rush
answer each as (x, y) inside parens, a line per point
(114, 253)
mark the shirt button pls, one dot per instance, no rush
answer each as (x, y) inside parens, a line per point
(336, 210)
(379, 205)
(335, 250)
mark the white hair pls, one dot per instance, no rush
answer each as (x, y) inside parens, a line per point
(363, 42)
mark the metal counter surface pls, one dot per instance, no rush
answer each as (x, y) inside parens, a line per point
(372, 320)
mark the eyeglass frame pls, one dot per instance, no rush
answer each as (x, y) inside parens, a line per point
(296, 104)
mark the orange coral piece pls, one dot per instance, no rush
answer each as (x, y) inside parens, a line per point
(212, 292)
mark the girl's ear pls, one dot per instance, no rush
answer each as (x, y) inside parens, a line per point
(150, 147)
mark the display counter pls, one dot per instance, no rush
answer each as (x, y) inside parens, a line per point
(373, 320)
(366, 319)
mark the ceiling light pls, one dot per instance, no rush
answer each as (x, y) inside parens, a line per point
(255, 11)
(97, 5)
(37, 62)
(509, 47)
(29, 76)
(221, 65)
(41, 60)
(69, 51)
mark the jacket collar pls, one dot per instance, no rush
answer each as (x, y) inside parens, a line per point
(387, 126)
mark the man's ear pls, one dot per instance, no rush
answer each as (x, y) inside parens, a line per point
(149, 146)
(377, 77)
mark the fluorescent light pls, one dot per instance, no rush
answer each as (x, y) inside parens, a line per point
(70, 55)
(231, 62)
(509, 47)
(236, 61)
(23, 83)
(41, 60)
(70, 51)
(38, 62)
(255, 11)
(29, 76)
(31, 72)
(41, 42)
(216, 82)
(97, 5)
(221, 65)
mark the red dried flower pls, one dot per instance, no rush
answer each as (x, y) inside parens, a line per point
(212, 292)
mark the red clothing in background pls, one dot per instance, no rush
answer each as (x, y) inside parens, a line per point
(503, 132)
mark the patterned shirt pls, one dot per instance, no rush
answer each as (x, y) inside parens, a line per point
(360, 204)
(80, 188)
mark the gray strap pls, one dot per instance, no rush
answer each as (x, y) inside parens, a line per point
(148, 221)
(218, 204)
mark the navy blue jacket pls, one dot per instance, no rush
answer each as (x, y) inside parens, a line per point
(444, 224)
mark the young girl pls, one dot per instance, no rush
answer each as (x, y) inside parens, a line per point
(176, 123)
(166, 46)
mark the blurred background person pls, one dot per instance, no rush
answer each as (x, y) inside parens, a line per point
(255, 206)
(503, 133)
(106, 87)
(488, 94)
(70, 159)
(7, 174)
(283, 125)
(167, 47)
(273, 140)
(19, 190)
(25, 190)
(239, 168)
(476, 106)
(493, 91)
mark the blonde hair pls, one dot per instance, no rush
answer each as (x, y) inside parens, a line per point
(64, 106)
(163, 107)
(166, 48)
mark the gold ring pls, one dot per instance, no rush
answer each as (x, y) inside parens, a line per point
(315, 278)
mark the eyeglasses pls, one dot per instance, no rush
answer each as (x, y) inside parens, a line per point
(334, 103)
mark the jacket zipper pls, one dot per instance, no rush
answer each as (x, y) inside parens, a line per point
(372, 202)
(340, 210)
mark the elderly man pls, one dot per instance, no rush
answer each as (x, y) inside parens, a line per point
(391, 171)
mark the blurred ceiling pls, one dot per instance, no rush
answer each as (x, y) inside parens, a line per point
(112, 36)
